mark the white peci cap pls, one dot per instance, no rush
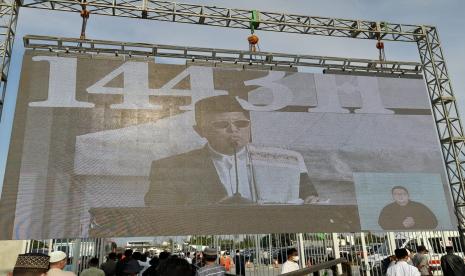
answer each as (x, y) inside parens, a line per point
(57, 256)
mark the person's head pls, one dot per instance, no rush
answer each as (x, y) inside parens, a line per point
(238, 252)
(293, 255)
(164, 255)
(422, 249)
(112, 256)
(31, 264)
(227, 253)
(401, 254)
(93, 262)
(128, 253)
(137, 255)
(210, 255)
(58, 259)
(176, 266)
(188, 254)
(223, 122)
(449, 249)
(400, 195)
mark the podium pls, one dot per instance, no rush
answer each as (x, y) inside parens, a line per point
(222, 219)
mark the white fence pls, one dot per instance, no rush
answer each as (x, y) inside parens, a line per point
(264, 253)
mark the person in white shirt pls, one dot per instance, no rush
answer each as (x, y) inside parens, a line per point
(402, 268)
(188, 257)
(143, 261)
(292, 263)
(57, 263)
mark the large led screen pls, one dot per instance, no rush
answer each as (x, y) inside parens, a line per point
(108, 146)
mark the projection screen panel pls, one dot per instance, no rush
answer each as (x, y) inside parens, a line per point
(106, 146)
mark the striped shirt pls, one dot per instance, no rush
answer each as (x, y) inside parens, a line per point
(211, 270)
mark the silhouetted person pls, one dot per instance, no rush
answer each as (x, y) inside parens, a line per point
(452, 265)
(174, 266)
(239, 261)
(127, 266)
(109, 266)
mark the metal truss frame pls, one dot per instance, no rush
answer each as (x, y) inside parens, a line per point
(244, 59)
(8, 19)
(449, 126)
(442, 98)
(236, 18)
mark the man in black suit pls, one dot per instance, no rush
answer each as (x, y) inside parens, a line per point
(404, 213)
(219, 172)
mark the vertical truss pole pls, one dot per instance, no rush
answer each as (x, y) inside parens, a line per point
(447, 119)
(8, 19)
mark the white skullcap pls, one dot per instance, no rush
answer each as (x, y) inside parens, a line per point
(57, 256)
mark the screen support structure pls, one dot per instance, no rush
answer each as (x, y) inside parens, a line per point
(8, 19)
(442, 98)
(218, 57)
(447, 118)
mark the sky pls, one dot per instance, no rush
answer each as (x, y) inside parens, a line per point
(447, 15)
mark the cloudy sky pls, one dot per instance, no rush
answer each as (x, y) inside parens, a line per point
(447, 15)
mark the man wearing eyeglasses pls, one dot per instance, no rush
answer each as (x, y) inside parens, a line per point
(228, 169)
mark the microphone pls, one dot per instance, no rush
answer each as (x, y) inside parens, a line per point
(235, 168)
(236, 198)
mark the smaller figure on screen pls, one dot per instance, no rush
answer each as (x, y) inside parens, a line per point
(406, 214)
(228, 169)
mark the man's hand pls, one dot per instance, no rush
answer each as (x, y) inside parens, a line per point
(408, 222)
(315, 200)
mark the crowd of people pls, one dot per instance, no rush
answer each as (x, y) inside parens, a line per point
(205, 263)
(210, 262)
(405, 263)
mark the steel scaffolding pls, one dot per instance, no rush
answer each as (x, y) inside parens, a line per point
(244, 59)
(447, 118)
(8, 19)
(237, 18)
(432, 61)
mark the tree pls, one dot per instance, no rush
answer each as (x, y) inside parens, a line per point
(201, 240)
(278, 240)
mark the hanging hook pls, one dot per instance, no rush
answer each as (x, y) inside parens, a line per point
(85, 15)
(380, 47)
(254, 24)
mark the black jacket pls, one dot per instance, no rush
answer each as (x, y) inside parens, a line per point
(452, 265)
(191, 179)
